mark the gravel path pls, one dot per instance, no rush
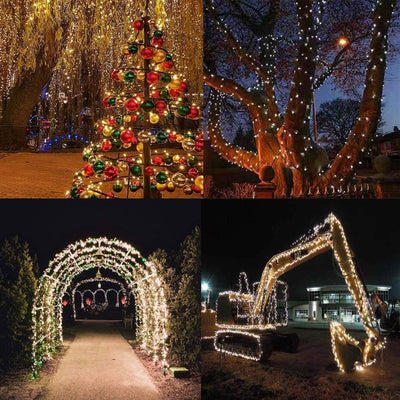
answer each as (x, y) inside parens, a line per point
(100, 364)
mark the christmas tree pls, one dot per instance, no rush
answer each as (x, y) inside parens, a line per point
(150, 139)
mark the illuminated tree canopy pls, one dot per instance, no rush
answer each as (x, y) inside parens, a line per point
(69, 46)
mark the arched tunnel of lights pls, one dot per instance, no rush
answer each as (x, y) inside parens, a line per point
(140, 279)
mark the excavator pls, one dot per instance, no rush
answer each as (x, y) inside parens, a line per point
(247, 329)
(387, 314)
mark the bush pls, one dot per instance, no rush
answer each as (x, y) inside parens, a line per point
(17, 290)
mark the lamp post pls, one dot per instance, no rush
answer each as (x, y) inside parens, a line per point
(206, 288)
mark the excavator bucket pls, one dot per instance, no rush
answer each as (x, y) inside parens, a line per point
(345, 348)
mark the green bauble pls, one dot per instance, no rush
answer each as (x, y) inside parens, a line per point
(86, 157)
(119, 119)
(161, 177)
(161, 137)
(132, 49)
(133, 188)
(164, 94)
(136, 170)
(153, 186)
(112, 101)
(183, 111)
(166, 78)
(192, 161)
(129, 77)
(168, 58)
(98, 166)
(168, 160)
(157, 34)
(117, 187)
(95, 149)
(190, 135)
(147, 105)
(74, 193)
(116, 134)
(117, 143)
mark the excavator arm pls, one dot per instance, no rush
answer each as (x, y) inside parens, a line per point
(349, 353)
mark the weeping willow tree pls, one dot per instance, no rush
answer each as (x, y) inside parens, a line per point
(69, 48)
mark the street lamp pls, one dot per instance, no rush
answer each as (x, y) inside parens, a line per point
(206, 288)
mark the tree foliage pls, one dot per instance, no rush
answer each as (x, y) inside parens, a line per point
(17, 290)
(181, 275)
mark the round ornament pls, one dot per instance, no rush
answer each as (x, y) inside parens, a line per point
(106, 145)
(138, 25)
(129, 77)
(161, 177)
(136, 170)
(131, 104)
(179, 179)
(146, 53)
(98, 166)
(110, 172)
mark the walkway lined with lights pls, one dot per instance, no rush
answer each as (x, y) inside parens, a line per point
(100, 364)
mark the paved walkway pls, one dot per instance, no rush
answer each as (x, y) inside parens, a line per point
(101, 365)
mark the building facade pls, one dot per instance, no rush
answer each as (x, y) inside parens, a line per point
(333, 303)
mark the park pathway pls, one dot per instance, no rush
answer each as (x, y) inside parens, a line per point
(100, 365)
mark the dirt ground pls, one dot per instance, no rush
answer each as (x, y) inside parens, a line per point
(48, 175)
(308, 374)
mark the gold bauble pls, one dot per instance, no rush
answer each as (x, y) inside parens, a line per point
(180, 138)
(154, 118)
(176, 158)
(159, 55)
(122, 166)
(175, 83)
(140, 75)
(107, 131)
(139, 147)
(126, 145)
(170, 186)
(199, 182)
(161, 186)
(121, 75)
(127, 118)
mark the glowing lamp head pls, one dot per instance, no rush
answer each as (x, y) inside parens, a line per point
(205, 286)
(343, 41)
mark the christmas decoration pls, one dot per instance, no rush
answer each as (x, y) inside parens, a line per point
(139, 274)
(148, 122)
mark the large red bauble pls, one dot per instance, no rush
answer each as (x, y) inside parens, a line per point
(194, 113)
(99, 128)
(173, 93)
(157, 160)
(88, 170)
(138, 25)
(146, 53)
(114, 75)
(193, 172)
(161, 106)
(110, 172)
(106, 145)
(172, 137)
(133, 118)
(126, 136)
(112, 121)
(149, 171)
(199, 145)
(156, 42)
(131, 105)
(105, 102)
(184, 87)
(167, 65)
(152, 77)
(156, 94)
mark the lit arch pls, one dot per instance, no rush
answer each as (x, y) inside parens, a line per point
(123, 259)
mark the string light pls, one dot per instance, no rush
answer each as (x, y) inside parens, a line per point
(140, 275)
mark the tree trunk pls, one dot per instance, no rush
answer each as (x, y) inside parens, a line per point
(23, 98)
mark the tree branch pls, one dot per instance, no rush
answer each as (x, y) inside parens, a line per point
(242, 158)
(370, 109)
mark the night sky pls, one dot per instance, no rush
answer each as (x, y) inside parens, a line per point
(244, 235)
(49, 226)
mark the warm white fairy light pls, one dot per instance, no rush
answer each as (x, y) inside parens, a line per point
(326, 236)
(140, 275)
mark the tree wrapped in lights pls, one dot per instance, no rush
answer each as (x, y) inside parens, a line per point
(140, 275)
(285, 61)
(150, 137)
